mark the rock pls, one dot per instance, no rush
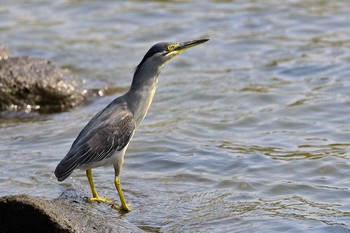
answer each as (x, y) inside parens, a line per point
(23, 213)
(34, 84)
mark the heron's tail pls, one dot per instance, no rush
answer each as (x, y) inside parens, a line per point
(64, 169)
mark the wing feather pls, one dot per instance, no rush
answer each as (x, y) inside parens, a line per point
(109, 131)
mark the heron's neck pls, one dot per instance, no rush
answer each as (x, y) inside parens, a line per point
(141, 93)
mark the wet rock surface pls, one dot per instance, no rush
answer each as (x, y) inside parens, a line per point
(34, 84)
(23, 213)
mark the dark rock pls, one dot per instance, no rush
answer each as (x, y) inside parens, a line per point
(23, 213)
(34, 84)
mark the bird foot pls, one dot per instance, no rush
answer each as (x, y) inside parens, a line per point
(123, 208)
(98, 199)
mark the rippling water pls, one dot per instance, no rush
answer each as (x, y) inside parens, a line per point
(247, 133)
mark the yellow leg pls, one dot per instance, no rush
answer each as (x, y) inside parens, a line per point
(95, 196)
(121, 196)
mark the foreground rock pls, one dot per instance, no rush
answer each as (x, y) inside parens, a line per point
(28, 84)
(23, 213)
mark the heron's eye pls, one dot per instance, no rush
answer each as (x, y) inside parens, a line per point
(171, 47)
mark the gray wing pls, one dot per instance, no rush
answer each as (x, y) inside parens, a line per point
(105, 134)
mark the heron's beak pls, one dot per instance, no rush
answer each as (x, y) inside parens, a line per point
(189, 44)
(176, 49)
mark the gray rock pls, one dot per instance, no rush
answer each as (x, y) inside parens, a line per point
(23, 213)
(34, 84)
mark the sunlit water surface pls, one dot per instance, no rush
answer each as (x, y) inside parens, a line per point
(247, 133)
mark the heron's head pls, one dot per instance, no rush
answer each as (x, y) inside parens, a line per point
(161, 53)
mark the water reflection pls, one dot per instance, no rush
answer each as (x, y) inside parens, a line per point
(303, 151)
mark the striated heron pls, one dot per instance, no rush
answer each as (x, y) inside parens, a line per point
(104, 140)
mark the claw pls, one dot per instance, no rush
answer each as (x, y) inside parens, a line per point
(114, 206)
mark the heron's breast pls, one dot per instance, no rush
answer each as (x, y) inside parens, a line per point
(145, 102)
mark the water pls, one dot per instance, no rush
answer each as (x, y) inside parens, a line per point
(247, 133)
